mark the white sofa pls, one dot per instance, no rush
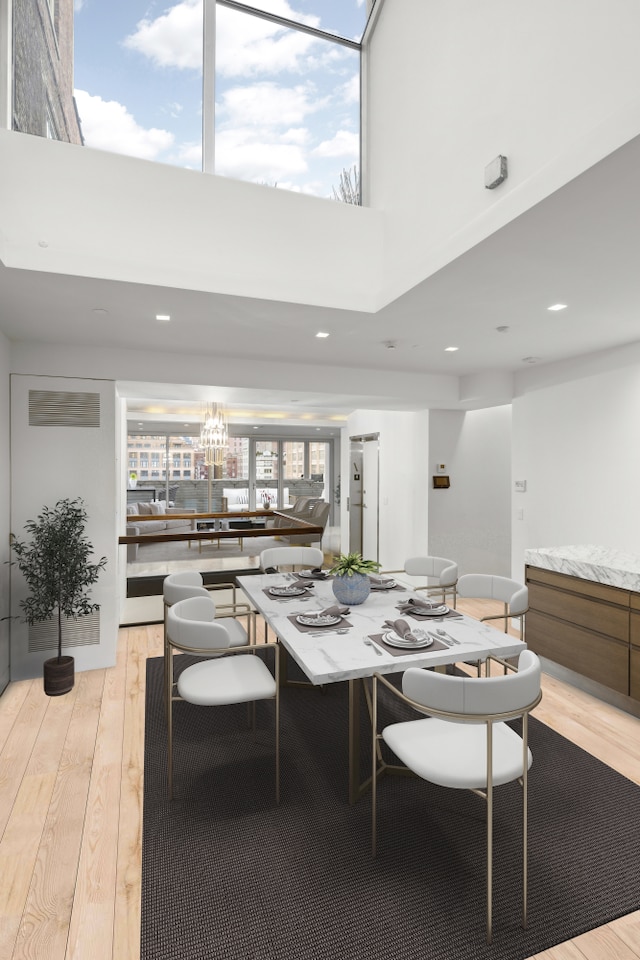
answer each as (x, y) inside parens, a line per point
(160, 512)
(238, 497)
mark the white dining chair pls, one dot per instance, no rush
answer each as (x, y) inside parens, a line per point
(465, 743)
(232, 673)
(512, 594)
(440, 574)
(275, 557)
(188, 584)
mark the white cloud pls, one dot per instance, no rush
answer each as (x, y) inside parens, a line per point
(248, 45)
(245, 44)
(190, 155)
(172, 40)
(344, 144)
(351, 89)
(107, 125)
(299, 135)
(240, 153)
(78, 5)
(267, 104)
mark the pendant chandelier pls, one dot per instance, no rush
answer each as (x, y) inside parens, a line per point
(214, 434)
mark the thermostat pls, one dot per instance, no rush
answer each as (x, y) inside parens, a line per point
(495, 172)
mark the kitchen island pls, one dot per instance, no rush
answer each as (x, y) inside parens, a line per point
(584, 617)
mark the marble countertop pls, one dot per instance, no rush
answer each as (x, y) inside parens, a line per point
(598, 564)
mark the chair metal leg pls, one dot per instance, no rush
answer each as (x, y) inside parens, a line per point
(374, 763)
(525, 800)
(169, 699)
(489, 830)
(277, 678)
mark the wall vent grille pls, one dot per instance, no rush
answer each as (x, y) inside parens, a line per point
(59, 408)
(83, 632)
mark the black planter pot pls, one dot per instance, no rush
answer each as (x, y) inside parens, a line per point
(58, 676)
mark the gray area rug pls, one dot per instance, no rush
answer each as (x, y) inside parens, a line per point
(227, 874)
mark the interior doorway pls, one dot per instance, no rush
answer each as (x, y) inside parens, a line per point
(364, 477)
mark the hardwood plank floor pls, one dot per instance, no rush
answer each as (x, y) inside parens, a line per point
(71, 781)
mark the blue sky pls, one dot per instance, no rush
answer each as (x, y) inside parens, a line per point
(287, 104)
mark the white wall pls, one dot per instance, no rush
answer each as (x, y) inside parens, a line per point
(577, 446)
(162, 225)
(451, 85)
(49, 464)
(402, 489)
(5, 494)
(471, 521)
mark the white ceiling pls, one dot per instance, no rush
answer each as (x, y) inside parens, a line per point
(580, 246)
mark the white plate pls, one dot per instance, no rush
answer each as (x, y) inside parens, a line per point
(394, 640)
(427, 611)
(387, 585)
(311, 621)
(310, 575)
(287, 591)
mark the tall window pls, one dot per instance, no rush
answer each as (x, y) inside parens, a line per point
(280, 107)
(287, 102)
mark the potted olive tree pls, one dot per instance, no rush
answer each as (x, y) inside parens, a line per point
(55, 564)
(351, 583)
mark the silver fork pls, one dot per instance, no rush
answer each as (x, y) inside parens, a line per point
(375, 646)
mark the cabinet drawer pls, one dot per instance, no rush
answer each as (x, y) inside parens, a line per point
(600, 658)
(634, 673)
(581, 611)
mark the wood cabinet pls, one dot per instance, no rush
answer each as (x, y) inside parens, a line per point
(590, 628)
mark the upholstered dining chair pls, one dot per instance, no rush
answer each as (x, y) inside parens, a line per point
(485, 586)
(230, 674)
(189, 583)
(275, 557)
(466, 742)
(442, 573)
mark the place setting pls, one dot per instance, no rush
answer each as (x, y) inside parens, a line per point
(399, 638)
(421, 608)
(330, 620)
(289, 591)
(317, 573)
(379, 582)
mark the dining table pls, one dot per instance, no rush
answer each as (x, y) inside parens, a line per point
(352, 646)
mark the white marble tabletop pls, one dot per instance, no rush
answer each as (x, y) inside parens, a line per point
(589, 562)
(333, 657)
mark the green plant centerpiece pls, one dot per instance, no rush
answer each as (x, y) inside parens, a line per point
(351, 584)
(55, 564)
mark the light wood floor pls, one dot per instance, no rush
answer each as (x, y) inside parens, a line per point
(71, 777)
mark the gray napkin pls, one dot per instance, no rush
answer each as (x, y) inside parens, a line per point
(419, 602)
(378, 580)
(336, 610)
(402, 628)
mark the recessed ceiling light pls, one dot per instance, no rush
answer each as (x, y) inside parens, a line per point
(502, 329)
(451, 349)
(530, 359)
(321, 334)
(100, 311)
(557, 306)
(163, 316)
